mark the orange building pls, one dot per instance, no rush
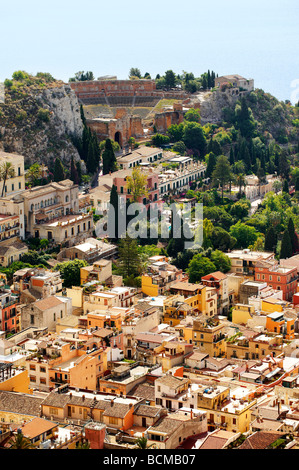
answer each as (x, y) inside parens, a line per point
(277, 323)
(278, 277)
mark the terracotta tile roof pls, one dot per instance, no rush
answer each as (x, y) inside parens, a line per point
(60, 400)
(166, 425)
(37, 426)
(146, 410)
(212, 442)
(172, 381)
(216, 275)
(144, 391)
(186, 286)
(47, 303)
(20, 403)
(261, 440)
(116, 410)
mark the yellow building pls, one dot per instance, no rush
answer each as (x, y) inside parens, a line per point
(224, 412)
(150, 285)
(99, 271)
(175, 310)
(76, 294)
(185, 329)
(272, 305)
(241, 313)
(13, 380)
(17, 182)
(256, 347)
(208, 336)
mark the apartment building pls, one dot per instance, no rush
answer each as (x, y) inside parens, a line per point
(175, 181)
(90, 250)
(9, 315)
(256, 346)
(278, 277)
(170, 391)
(209, 336)
(52, 212)
(218, 281)
(135, 323)
(244, 261)
(160, 276)
(139, 157)
(224, 409)
(119, 179)
(116, 297)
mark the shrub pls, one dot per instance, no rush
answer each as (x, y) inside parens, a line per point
(43, 115)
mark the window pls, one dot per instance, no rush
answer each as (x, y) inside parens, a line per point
(113, 420)
(31, 319)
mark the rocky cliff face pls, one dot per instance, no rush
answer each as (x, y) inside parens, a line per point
(213, 103)
(39, 123)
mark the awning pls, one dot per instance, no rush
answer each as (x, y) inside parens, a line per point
(275, 371)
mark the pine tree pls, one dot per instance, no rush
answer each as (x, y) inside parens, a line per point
(270, 240)
(286, 250)
(58, 173)
(129, 258)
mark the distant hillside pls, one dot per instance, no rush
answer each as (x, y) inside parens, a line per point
(38, 119)
(275, 119)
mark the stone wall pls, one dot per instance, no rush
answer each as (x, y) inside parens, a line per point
(120, 128)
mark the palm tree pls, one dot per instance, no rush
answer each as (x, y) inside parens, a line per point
(19, 441)
(141, 442)
(239, 171)
(6, 171)
(34, 173)
(83, 444)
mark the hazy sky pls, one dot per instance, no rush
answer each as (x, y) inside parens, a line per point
(259, 40)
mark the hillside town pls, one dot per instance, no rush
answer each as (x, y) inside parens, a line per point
(110, 341)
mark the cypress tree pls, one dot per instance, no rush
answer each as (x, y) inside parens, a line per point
(286, 250)
(211, 164)
(73, 172)
(285, 187)
(58, 173)
(79, 172)
(82, 115)
(270, 240)
(231, 156)
(292, 233)
(113, 213)
(108, 158)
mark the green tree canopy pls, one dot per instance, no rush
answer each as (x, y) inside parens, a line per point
(244, 234)
(70, 271)
(198, 267)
